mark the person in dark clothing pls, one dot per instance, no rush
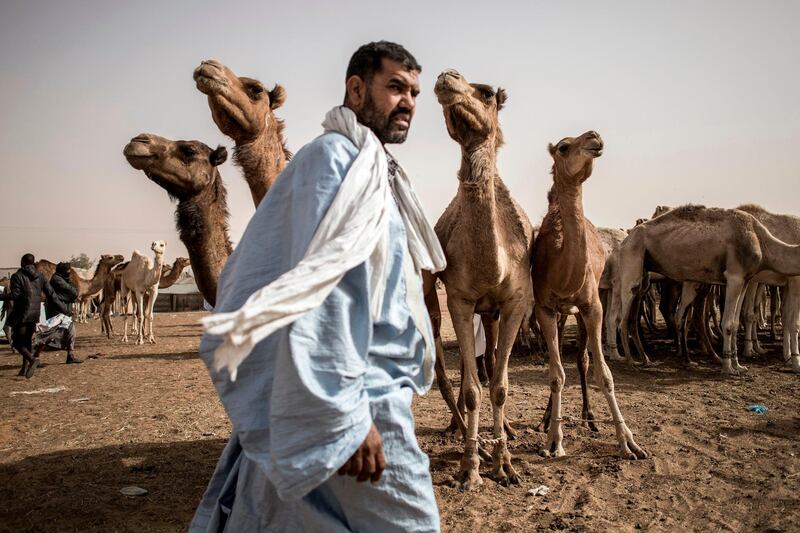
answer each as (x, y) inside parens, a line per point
(27, 285)
(58, 334)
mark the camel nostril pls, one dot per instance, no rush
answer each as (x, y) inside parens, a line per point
(143, 138)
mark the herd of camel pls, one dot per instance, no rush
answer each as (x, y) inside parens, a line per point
(499, 265)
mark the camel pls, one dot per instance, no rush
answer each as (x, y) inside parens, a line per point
(111, 290)
(568, 261)
(244, 111)
(703, 245)
(787, 229)
(487, 240)
(170, 275)
(141, 278)
(87, 288)
(187, 170)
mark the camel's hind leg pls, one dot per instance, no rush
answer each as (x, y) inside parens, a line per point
(749, 317)
(139, 308)
(593, 317)
(791, 323)
(734, 291)
(124, 299)
(688, 294)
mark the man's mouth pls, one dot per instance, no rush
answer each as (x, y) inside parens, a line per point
(404, 121)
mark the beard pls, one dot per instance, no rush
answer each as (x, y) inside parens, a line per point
(385, 127)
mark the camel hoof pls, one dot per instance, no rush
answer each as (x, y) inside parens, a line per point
(632, 451)
(552, 452)
(615, 357)
(468, 480)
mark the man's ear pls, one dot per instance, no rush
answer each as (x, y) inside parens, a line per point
(356, 91)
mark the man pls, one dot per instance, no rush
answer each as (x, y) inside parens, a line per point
(328, 390)
(27, 285)
(59, 331)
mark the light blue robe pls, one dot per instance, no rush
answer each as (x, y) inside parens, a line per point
(305, 398)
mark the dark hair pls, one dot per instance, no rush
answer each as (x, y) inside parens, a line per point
(368, 59)
(26, 260)
(63, 268)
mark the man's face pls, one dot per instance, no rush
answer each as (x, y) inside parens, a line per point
(389, 101)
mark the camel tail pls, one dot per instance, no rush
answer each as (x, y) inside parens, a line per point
(778, 256)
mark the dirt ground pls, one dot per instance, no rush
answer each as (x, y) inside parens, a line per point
(148, 416)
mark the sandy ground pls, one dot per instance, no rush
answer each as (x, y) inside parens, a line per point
(148, 416)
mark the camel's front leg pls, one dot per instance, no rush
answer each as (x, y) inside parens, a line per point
(124, 301)
(548, 323)
(688, 295)
(612, 324)
(140, 317)
(151, 302)
(511, 315)
(593, 317)
(733, 296)
(750, 326)
(791, 323)
(461, 312)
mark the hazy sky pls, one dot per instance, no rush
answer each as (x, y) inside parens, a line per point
(696, 101)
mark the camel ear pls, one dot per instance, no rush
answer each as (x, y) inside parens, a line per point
(218, 156)
(501, 96)
(277, 96)
(552, 149)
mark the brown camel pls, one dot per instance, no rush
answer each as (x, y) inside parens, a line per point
(87, 288)
(702, 245)
(187, 170)
(243, 110)
(568, 262)
(787, 229)
(111, 290)
(171, 274)
(487, 239)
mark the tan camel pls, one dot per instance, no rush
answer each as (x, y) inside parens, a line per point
(702, 245)
(111, 291)
(187, 170)
(171, 274)
(87, 288)
(141, 278)
(787, 229)
(568, 262)
(486, 238)
(243, 110)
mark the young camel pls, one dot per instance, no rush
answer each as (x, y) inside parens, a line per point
(701, 245)
(243, 109)
(486, 238)
(568, 262)
(141, 277)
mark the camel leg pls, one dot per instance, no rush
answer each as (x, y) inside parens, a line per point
(548, 323)
(612, 323)
(491, 325)
(151, 302)
(775, 305)
(749, 316)
(139, 297)
(733, 295)
(582, 361)
(628, 297)
(791, 322)
(124, 299)
(511, 315)
(628, 448)
(636, 311)
(688, 294)
(703, 328)
(461, 312)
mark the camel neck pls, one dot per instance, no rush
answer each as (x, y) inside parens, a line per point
(478, 168)
(96, 283)
(203, 226)
(172, 276)
(573, 258)
(261, 160)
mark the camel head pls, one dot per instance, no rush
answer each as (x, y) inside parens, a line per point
(110, 260)
(181, 263)
(470, 110)
(182, 168)
(242, 108)
(573, 157)
(158, 247)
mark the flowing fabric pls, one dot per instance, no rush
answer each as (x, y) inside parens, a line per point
(354, 230)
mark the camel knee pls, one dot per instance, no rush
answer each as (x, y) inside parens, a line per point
(499, 395)
(472, 398)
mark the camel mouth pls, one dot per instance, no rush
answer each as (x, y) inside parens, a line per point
(595, 152)
(208, 79)
(137, 149)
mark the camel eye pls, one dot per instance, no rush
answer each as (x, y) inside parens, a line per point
(256, 90)
(563, 148)
(188, 151)
(487, 94)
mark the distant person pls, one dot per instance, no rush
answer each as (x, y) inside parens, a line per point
(27, 285)
(58, 333)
